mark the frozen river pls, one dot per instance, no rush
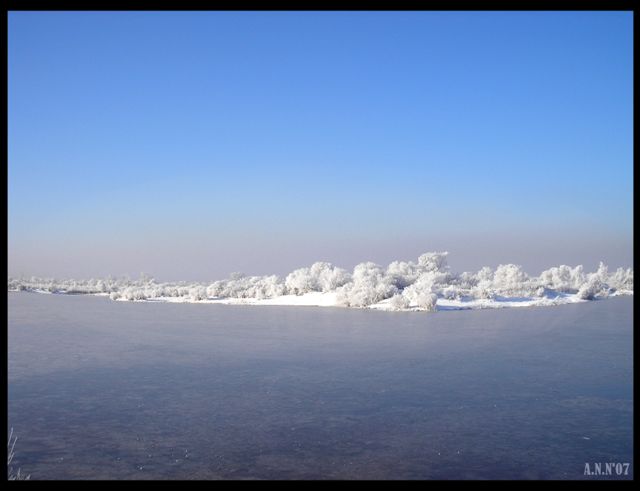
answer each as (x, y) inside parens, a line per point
(115, 390)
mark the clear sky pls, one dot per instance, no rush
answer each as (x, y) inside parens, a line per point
(192, 144)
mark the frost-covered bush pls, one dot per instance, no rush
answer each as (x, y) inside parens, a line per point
(427, 301)
(421, 292)
(592, 289)
(198, 293)
(622, 280)
(16, 285)
(369, 285)
(480, 284)
(238, 286)
(485, 275)
(467, 280)
(433, 261)
(451, 293)
(483, 291)
(601, 284)
(399, 302)
(422, 298)
(603, 272)
(11, 474)
(417, 283)
(402, 274)
(510, 279)
(132, 293)
(263, 287)
(215, 289)
(300, 281)
(562, 279)
(320, 277)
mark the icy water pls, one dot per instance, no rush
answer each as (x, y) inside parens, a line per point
(112, 390)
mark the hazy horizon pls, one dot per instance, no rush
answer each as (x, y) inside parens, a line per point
(276, 262)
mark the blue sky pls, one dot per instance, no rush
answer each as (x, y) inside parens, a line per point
(192, 144)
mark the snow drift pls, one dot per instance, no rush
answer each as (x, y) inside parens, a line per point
(426, 285)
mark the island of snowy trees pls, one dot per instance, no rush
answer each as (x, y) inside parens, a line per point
(425, 285)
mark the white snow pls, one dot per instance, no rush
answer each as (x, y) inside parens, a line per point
(426, 285)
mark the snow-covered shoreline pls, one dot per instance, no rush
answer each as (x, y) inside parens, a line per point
(427, 285)
(319, 299)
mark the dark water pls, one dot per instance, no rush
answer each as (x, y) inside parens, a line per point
(102, 389)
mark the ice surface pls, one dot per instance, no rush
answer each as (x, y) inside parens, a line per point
(138, 390)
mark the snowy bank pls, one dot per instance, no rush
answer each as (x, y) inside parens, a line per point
(426, 285)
